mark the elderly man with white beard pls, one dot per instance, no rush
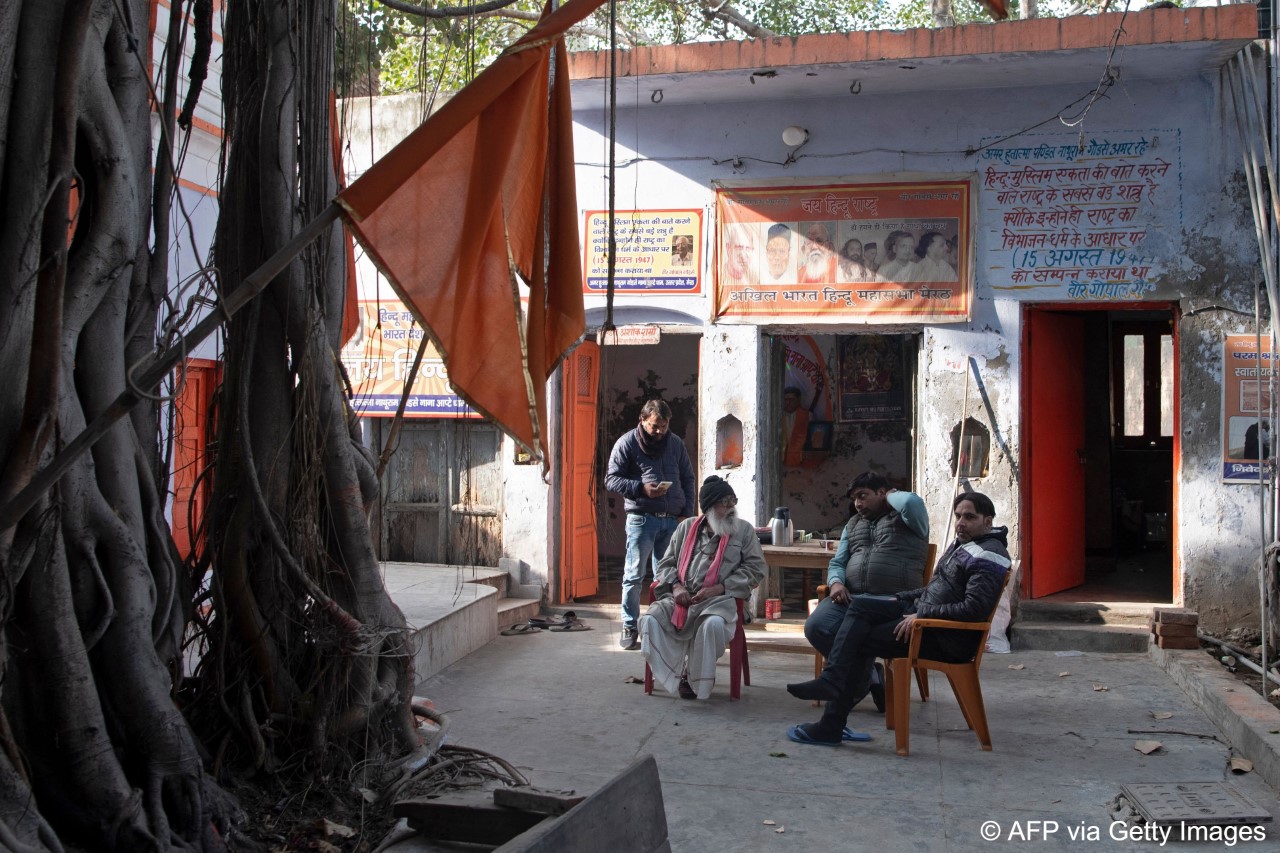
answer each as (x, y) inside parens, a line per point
(713, 559)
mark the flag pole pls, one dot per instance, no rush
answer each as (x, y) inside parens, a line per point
(161, 362)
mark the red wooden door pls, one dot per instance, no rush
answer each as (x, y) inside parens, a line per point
(1054, 427)
(579, 566)
(191, 484)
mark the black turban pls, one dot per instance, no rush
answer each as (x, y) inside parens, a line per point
(714, 490)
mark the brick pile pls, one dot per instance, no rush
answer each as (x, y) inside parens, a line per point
(1175, 627)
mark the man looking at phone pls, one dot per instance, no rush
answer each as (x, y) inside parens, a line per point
(650, 468)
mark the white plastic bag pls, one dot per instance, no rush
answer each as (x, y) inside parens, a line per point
(997, 639)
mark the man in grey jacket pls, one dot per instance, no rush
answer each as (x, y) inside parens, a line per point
(881, 550)
(650, 468)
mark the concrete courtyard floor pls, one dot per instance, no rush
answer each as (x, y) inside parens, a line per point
(557, 705)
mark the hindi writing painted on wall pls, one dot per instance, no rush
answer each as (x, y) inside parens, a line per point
(877, 251)
(1072, 220)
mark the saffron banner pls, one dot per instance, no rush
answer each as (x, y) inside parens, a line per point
(874, 252)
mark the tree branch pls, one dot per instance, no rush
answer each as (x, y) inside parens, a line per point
(721, 10)
(579, 29)
(446, 11)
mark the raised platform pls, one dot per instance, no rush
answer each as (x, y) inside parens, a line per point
(453, 610)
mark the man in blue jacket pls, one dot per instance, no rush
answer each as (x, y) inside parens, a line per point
(650, 468)
(965, 588)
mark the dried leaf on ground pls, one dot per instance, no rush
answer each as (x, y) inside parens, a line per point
(1063, 674)
(778, 755)
(770, 823)
(1240, 765)
(631, 679)
(1161, 715)
(1146, 747)
(330, 829)
(1100, 688)
(1017, 666)
(781, 829)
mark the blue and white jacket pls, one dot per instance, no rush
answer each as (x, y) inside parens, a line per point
(965, 587)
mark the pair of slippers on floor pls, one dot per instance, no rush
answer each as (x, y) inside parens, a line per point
(568, 622)
(802, 734)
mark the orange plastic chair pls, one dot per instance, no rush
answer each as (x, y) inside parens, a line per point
(739, 666)
(963, 678)
(930, 556)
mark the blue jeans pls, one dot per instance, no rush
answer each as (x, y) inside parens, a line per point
(647, 540)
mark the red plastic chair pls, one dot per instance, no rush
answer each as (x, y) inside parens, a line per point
(739, 666)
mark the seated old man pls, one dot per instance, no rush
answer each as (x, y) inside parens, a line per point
(965, 587)
(713, 559)
(881, 551)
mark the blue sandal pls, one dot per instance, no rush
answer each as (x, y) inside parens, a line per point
(851, 736)
(800, 734)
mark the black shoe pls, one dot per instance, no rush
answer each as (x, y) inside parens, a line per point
(813, 690)
(686, 691)
(877, 688)
(629, 639)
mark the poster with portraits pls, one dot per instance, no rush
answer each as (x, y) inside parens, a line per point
(871, 252)
(1246, 409)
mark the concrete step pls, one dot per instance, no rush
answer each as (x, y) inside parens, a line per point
(1068, 636)
(516, 611)
(450, 616)
(1088, 612)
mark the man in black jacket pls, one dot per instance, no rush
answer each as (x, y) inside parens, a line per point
(965, 587)
(651, 469)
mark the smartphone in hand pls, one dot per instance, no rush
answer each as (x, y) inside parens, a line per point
(664, 485)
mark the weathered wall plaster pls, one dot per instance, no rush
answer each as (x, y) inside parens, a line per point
(1189, 237)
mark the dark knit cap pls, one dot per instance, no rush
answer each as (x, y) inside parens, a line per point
(714, 490)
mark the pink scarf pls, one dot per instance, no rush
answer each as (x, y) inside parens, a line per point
(681, 614)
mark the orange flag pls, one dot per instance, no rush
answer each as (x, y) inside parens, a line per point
(456, 208)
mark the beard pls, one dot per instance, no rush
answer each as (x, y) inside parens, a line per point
(722, 525)
(816, 264)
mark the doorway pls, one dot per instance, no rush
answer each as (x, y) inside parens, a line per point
(442, 493)
(630, 374)
(1100, 391)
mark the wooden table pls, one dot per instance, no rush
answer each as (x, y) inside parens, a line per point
(805, 557)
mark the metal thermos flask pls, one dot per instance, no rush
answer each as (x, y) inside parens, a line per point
(780, 526)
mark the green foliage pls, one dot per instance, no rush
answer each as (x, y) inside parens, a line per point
(405, 53)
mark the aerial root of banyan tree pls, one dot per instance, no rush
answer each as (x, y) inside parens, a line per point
(133, 684)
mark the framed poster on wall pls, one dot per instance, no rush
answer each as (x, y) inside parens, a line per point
(872, 383)
(1246, 409)
(874, 252)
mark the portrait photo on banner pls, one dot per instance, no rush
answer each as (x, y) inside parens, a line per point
(871, 251)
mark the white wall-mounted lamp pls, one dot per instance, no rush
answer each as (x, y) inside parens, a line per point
(795, 136)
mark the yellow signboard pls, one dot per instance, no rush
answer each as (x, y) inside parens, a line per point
(658, 251)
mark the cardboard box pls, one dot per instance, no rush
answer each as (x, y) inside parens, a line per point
(1177, 615)
(1178, 642)
(1165, 629)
